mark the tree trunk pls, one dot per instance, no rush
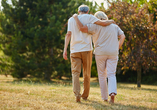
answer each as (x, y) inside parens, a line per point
(139, 76)
(47, 76)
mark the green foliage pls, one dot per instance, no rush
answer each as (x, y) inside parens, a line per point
(152, 8)
(94, 72)
(5, 64)
(131, 77)
(34, 36)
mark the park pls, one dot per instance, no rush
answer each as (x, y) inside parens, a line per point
(35, 76)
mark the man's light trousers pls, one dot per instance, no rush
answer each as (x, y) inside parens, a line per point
(78, 59)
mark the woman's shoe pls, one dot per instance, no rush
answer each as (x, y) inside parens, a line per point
(112, 98)
(105, 100)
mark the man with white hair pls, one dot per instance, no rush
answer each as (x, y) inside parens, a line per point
(81, 50)
(106, 45)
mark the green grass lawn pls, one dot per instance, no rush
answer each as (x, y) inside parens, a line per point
(58, 95)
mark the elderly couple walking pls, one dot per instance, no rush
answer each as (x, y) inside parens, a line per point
(82, 29)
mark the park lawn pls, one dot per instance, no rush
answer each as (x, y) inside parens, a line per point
(58, 95)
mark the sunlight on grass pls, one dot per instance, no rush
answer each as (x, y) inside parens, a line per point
(59, 96)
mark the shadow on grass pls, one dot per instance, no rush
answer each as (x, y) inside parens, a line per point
(135, 88)
(39, 81)
(67, 82)
(115, 106)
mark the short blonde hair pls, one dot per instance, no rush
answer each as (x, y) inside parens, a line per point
(101, 15)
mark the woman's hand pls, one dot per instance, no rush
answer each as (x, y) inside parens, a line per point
(75, 15)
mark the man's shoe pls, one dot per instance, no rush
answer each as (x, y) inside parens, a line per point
(78, 99)
(84, 98)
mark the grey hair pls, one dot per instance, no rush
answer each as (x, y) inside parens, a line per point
(101, 15)
(83, 8)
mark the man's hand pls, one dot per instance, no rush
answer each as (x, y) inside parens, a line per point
(65, 55)
(75, 15)
(67, 40)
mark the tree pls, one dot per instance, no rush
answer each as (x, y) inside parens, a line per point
(139, 50)
(34, 36)
(152, 8)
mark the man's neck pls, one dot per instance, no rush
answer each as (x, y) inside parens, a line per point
(81, 13)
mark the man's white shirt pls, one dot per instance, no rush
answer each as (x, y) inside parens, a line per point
(80, 41)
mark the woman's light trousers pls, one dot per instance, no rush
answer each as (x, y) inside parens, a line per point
(106, 66)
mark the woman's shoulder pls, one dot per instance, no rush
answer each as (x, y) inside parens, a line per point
(114, 25)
